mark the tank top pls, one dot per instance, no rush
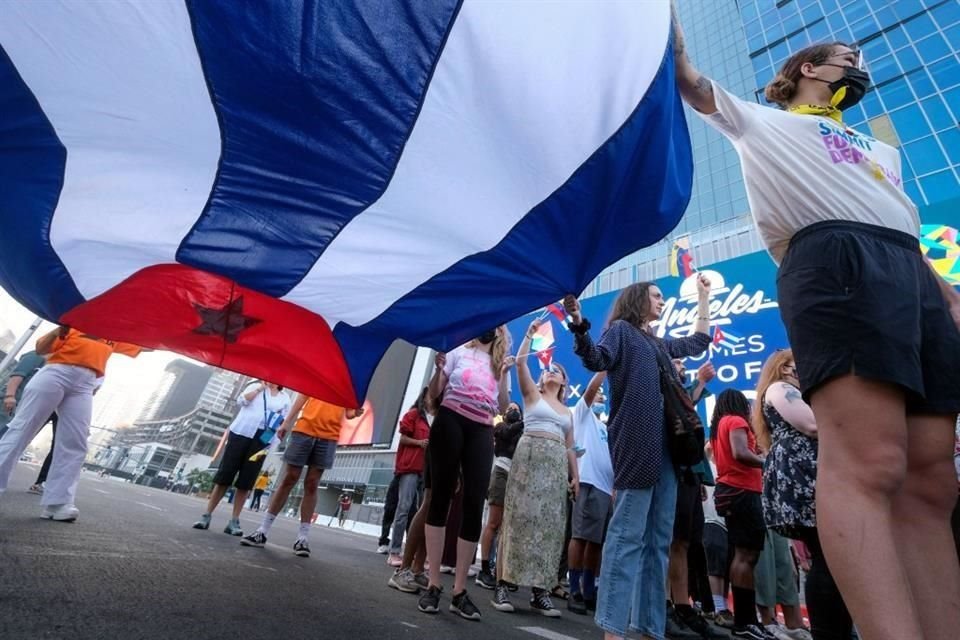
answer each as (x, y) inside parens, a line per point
(542, 418)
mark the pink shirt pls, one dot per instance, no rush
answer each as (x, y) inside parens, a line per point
(471, 388)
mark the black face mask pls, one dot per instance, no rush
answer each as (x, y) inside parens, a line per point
(856, 82)
(513, 416)
(487, 337)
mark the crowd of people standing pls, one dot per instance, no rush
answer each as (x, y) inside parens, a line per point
(842, 463)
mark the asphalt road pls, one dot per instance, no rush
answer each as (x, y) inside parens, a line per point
(132, 568)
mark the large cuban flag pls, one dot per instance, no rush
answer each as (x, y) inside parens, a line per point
(284, 188)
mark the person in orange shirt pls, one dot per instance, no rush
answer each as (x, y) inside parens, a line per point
(76, 363)
(313, 444)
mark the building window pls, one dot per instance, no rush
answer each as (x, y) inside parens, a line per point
(940, 186)
(925, 156)
(882, 126)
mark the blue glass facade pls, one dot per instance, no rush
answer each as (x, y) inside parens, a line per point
(911, 49)
(718, 46)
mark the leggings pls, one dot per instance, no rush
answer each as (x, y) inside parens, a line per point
(459, 444)
(829, 618)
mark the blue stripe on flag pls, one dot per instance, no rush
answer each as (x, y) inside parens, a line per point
(315, 100)
(32, 161)
(629, 194)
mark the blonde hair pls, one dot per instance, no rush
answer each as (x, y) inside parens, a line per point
(772, 373)
(499, 349)
(562, 393)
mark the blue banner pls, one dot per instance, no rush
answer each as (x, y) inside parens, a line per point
(743, 306)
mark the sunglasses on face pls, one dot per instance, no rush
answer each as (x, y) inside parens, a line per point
(555, 370)
(856, 55)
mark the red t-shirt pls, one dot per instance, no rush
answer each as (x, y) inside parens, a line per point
(409, 458)
(729, 470)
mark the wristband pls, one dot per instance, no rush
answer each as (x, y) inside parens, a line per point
(579, 329)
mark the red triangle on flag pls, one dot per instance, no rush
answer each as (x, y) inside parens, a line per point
(545, 357)
(717, 335)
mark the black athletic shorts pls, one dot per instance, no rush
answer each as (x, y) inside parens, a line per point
(857, 298)
(742, 510)
(718, 549)
(689, 518)
(236, 463)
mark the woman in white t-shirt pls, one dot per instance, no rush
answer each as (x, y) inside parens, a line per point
(472, 382)
(874, 331)
(240, 464)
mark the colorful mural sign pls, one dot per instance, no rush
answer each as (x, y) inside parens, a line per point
(743, 305)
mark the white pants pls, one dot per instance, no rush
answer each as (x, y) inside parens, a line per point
(68, 390)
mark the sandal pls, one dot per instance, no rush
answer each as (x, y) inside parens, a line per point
(559, 592)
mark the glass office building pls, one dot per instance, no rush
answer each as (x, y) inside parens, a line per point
(718, 46)
(911, 49)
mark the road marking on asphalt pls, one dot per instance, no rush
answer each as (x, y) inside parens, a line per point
(546, 633)
(257, 566)
(407, 624)
(149, 506)
(102, 491)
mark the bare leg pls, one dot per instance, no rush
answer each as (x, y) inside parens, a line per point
(494, 518)
(435, 537)
(718, 587)
(767, 614)
(862, 467)
(238, 501)
(576, 555)
(309, 503)
(678, 574)
(466, 550)
(921, 517)
(791, 616)
(415, 550)
(219, 490)
(741, 570)
(279, 498)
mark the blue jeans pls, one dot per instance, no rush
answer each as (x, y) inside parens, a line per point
(407, 496)
(634, 571)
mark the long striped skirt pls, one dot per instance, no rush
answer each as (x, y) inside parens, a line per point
(534, 513)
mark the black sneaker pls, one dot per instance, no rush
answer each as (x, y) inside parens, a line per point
(591, 604)
(463, 606)
(301, 548)
(430, 601)
(576, 604)
(723, 619)
(752, 632)
(676, 629)
(501, 599)
(486, 580)
(693, 620)
(255, 539)
(540, 601)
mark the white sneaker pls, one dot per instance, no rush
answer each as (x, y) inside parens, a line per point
(60, 512)
(445, 569)
(472, 572)
(383, 549)
(798, 634)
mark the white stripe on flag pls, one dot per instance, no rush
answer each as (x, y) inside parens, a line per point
(512, 111)
(113, 81)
